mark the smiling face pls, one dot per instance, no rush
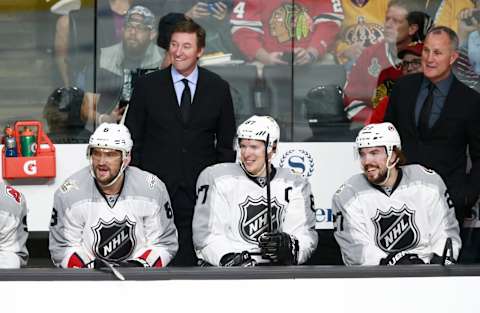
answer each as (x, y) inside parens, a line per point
(374, 164)
(252, 156)
(438, 56)
(184, 52)
(106, 164)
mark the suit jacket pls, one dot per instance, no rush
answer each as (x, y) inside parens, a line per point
(445, 148)
(164, 145)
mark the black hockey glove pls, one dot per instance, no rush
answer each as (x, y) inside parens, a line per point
(243, 259)
(401, 258)
(280, 248)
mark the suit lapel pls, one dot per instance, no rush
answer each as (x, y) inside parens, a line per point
(411, 101)
(199, 90)
(448, 106)
(174, 105)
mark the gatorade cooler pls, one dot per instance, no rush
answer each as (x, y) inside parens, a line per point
(41, 165)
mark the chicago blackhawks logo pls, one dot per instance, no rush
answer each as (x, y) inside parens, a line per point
(254, 221)
(290, 21)
(114, 240)
(396, 231)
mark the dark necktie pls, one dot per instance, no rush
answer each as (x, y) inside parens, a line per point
(423, 121)
(186, 101)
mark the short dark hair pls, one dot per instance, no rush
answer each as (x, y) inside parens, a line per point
(165, 27)
(402, 159)
(189, 26)
(452, 35)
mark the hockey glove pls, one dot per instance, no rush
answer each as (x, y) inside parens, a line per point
(243, 259)
(280, 248)
(401, 258)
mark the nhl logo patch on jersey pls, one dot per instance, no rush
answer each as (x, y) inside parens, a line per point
(395, 230)
(114, 240)
(254, 221)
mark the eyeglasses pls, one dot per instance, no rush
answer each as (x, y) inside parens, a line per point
(137, 27)
(414, 63)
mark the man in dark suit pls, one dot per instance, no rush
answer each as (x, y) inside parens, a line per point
(438, 119)
(181, 120)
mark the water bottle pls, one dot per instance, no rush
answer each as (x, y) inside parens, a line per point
(28, 142)
(10, 143)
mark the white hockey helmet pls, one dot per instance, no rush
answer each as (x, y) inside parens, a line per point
(377, 135)
(258, 128)
(111, 136)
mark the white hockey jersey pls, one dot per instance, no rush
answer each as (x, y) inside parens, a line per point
(231, 212)
(138, 225)
(13, 228)
(417, 218)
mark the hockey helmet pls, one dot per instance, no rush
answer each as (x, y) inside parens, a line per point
(111, 136)
(377, 135)
(258, 128)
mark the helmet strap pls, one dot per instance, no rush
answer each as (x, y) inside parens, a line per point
(119, 174)
(389, 168)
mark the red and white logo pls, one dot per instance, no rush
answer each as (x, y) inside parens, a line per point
(30, 167)
(12, 193)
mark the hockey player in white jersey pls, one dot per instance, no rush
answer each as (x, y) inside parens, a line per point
(110, 211)
(230, 223)
(392, 214)
(13, 228)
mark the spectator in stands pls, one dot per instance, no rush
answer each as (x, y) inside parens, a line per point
(411, 63)
(212, 15)
(266, 31)
(361, 28)
(119, 66)
(445, 12)
(469, 34)
(400, 31)
(74, 36)
(13, 230)
(438, 118)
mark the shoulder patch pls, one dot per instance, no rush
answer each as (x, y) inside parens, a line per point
(427, 170)
(340, 189)
(152, 181)
(13, 193)
(68, 185)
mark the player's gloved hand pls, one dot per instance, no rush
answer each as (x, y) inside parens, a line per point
(280, 248)
(436, 259)
(243, 259)
(401, 258)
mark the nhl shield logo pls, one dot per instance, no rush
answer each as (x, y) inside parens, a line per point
(254, 222)
(114, 240)
(395, 230)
